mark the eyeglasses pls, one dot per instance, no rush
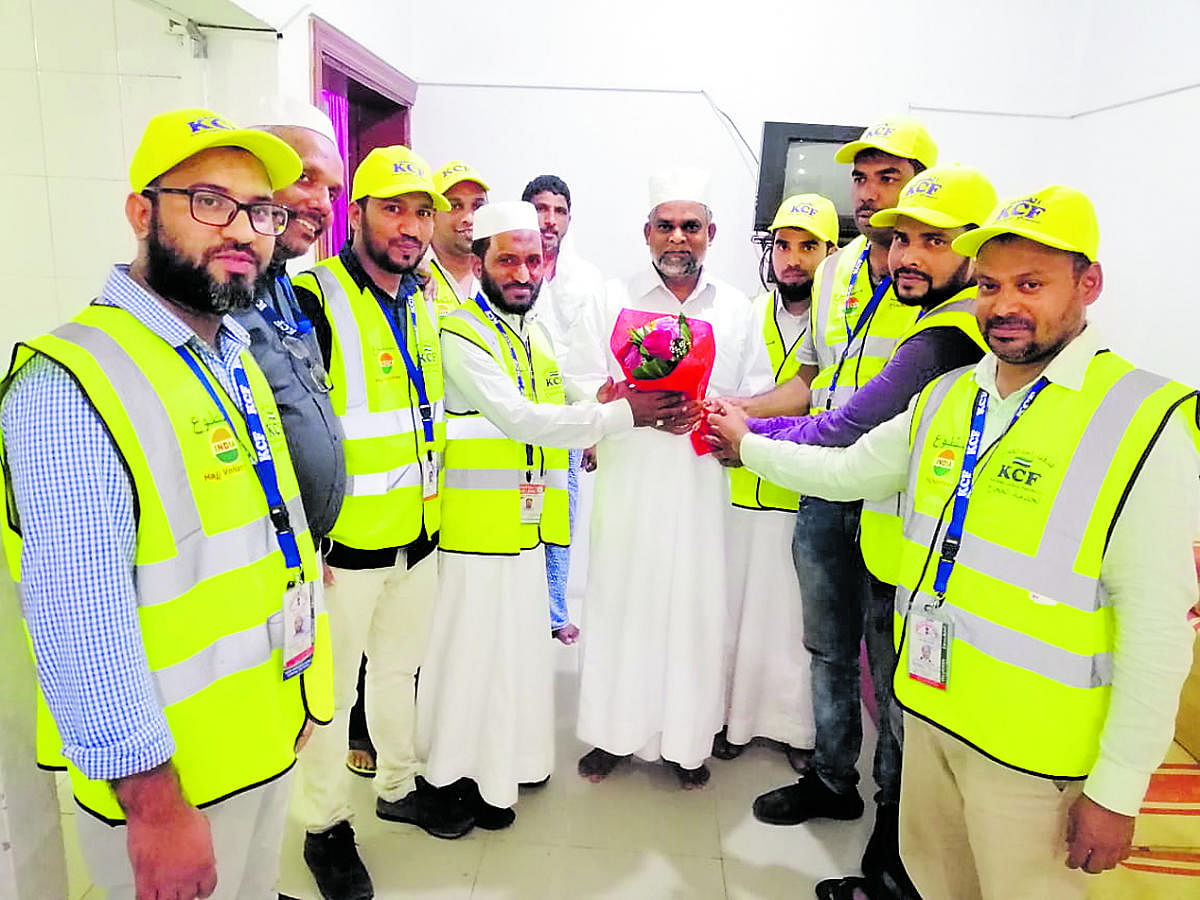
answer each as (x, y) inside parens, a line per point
(318, 378)
(212, 208)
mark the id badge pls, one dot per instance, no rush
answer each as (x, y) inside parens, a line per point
(429, 477)
(931, 633)
(299, 622)
(532, 495)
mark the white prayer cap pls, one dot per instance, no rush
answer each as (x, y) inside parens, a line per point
(291, 112)
(504, 215)
(686, 183)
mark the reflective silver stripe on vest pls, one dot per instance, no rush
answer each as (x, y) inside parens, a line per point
(226, 656)
(820, 318)
(204, 556)
(1050, 573)
(375, 484)
(1019, 649)
(388, 423)
(499, 479)
(200, 556)
(354, 376)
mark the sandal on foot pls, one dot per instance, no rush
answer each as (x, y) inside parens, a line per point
(597, 764)
(360, 759)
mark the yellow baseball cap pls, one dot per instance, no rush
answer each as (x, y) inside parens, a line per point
(812, 212)
(172, 137)
(899, 136)
(1057, 216)
(389, 171)
(946, 196)
(453, 172)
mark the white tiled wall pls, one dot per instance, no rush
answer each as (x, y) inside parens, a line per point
(78, 82)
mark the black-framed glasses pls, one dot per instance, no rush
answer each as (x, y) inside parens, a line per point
(213, 208)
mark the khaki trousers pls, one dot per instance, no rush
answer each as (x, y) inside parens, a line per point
(247, 830)
(386, 614)
(972, 828)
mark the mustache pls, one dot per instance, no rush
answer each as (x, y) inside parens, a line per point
(866, 206)
(1003, 321)
(906, 270)
(212, 252)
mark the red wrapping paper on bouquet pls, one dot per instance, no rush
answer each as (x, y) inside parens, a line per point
(689, 375)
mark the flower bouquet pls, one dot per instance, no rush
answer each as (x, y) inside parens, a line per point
(660, 352)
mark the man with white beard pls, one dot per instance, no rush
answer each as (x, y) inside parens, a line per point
(654, 615)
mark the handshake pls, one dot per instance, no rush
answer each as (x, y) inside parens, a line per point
(721, 421)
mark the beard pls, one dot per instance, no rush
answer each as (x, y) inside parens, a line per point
(190, 285)
(495, 293)
(795, 293)
(934, 296)
(379, 254)
(677, 264)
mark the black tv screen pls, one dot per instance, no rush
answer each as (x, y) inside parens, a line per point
(797, 158)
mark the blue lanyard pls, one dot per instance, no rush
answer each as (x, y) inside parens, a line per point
(271, 314)
(966, 480)
(264, 463)
(415, 375)
(863, 320)
(499, 326)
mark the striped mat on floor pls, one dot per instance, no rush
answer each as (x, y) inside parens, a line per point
(1165, 862)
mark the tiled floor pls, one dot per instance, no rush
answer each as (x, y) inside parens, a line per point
(636, 835)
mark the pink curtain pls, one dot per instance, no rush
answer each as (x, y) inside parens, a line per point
(338, 109)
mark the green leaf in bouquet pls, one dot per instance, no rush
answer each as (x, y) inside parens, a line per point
(653, 368)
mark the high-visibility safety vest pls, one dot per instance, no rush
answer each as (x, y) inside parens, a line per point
(446, 299)
(380, 411)
(481, 504)
(881, 525)
(209, 573)
(746, 489)
(835, 313)
(1030, 664)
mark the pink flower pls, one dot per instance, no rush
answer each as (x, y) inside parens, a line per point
(631, 357)
(658, 343)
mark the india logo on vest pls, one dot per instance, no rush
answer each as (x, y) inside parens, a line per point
(943, 463)
(386, 361)
(224, 444)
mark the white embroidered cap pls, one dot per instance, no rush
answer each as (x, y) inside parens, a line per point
(685, 183)
(504, 215)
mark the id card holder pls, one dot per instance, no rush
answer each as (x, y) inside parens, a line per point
(930, 634)
(299, 624)
(532, 495)
(429, 477)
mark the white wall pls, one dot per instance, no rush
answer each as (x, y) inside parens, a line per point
(79, 82)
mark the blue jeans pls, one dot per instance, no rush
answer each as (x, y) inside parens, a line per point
(842, 604)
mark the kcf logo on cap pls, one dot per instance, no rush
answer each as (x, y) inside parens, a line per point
(926, 186)
(1025, 208)
(208, 123)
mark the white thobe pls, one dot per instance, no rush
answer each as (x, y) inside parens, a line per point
(654, 620)
(576, 285)
(485, 705)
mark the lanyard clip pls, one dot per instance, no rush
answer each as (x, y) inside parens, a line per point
(426, 411)
(950, 548)
(280, 519)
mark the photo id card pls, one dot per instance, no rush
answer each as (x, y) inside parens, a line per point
(429, 477)
(531, 502)
(931, 633)
(299, 625)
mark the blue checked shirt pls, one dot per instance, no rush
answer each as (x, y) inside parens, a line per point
(75, 504)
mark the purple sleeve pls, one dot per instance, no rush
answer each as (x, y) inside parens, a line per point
(919, 360)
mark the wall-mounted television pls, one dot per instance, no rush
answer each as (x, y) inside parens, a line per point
(797, 158)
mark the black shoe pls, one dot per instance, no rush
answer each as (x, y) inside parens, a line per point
(690, 779)
(333, 859)
(597, 764)
(439, 811)
(723, 749)
(881, 859)
(808, 798)
(487, 817)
